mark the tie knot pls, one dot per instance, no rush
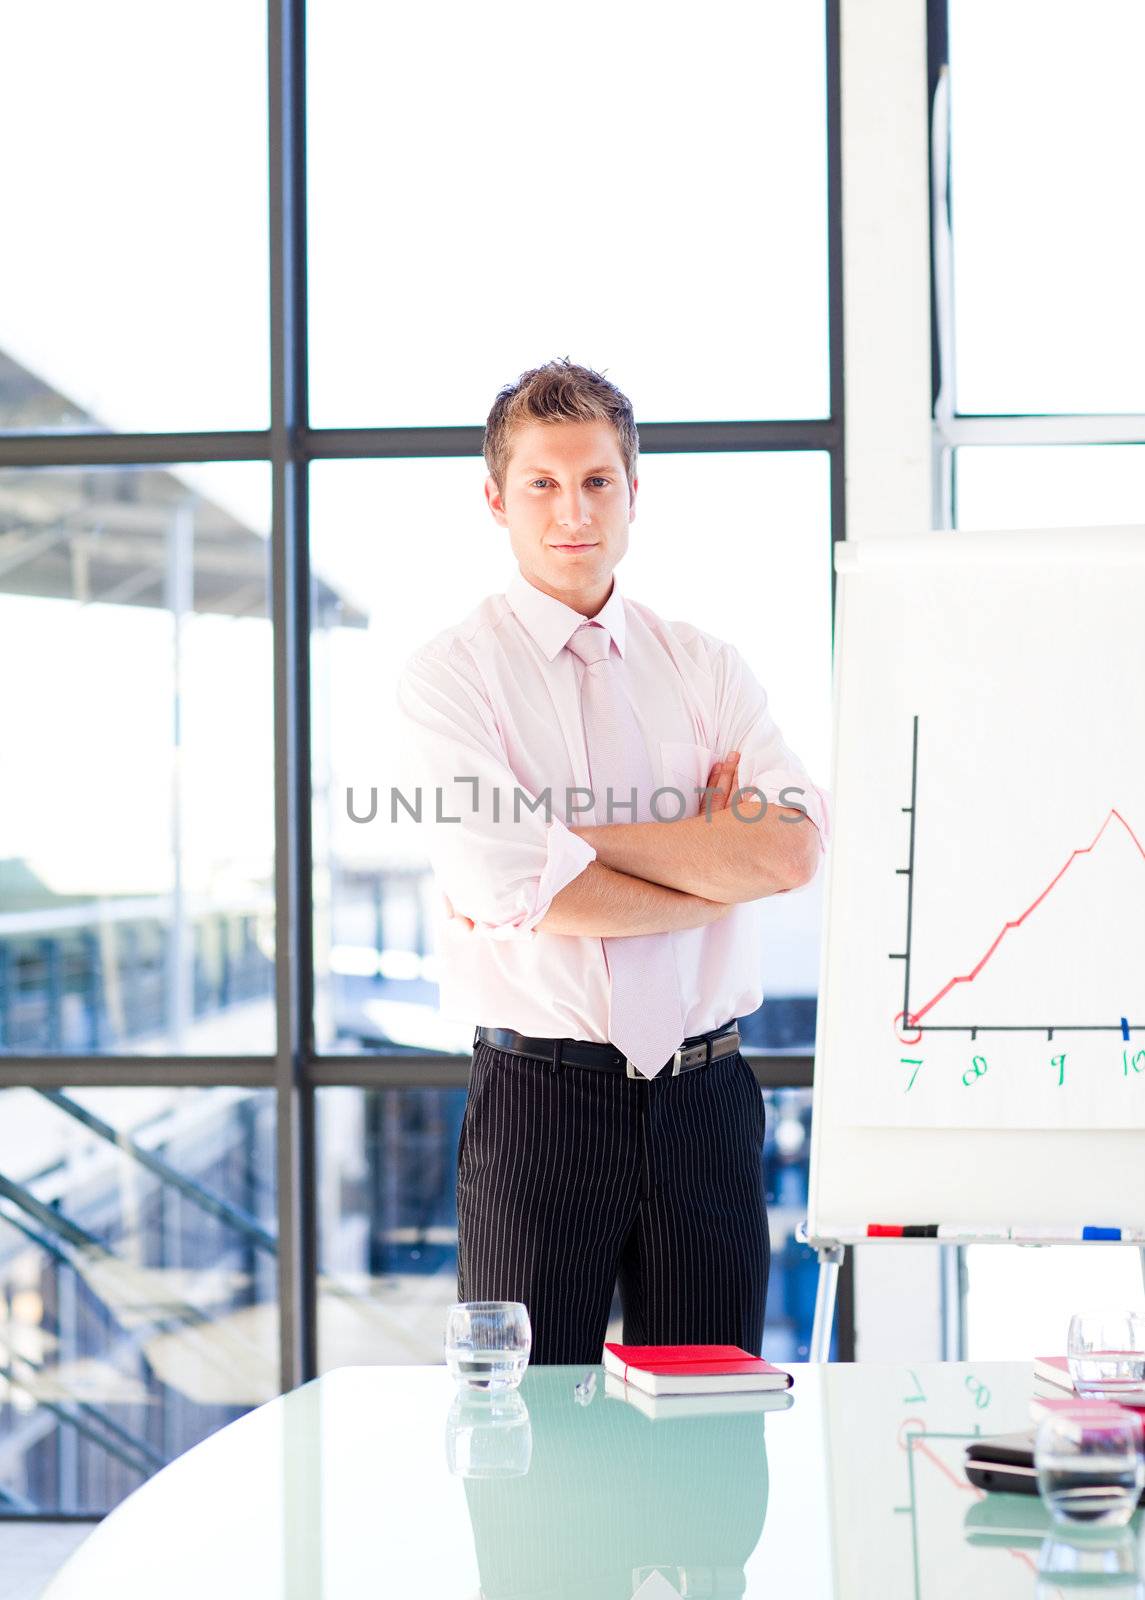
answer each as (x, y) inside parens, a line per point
(591, 642)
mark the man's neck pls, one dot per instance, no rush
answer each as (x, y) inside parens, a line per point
(587, 605)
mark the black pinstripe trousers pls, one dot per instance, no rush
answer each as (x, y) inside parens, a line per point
(571, 1181)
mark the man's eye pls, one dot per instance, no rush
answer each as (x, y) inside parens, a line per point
(535, 481)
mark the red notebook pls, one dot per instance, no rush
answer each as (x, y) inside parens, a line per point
(693, 1368)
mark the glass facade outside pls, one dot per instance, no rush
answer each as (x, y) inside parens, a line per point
(138, 1283)
(137, 845)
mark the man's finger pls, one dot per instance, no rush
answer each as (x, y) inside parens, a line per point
(718, 781)
(722, 779)
(455, 916)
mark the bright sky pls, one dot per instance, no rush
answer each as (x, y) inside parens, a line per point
(1047, 130)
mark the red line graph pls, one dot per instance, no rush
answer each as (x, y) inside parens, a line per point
(917, 1013)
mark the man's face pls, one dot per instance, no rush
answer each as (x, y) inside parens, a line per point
(567, 506)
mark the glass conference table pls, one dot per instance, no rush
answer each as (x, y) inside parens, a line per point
(388, 1482)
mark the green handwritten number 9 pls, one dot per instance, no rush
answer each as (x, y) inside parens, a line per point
(975, 1071)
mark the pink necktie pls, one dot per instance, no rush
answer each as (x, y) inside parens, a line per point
(645, 1015)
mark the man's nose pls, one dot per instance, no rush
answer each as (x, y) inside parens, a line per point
(573, 512)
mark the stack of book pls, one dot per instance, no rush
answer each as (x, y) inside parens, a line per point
(1054, 1390)
(694, 1379)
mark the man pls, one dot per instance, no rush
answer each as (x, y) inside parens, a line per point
(613, 1132)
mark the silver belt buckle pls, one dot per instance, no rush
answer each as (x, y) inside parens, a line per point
(694, 1053)
(634, 1072)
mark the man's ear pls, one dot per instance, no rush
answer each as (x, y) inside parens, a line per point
(632, 498)
(495, 502)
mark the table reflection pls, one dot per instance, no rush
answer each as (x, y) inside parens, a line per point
(621, 1495)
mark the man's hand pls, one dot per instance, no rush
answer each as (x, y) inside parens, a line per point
(456, 916)
(713, 855)
(721, 778)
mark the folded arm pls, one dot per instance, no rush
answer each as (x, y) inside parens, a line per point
(505, 869)
(737, 853)
(738, 848)
(606, 903)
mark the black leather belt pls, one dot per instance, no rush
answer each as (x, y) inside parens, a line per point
(697, 1051)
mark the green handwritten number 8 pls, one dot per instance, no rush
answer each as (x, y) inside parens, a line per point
(975, 1072)
(979, 1390)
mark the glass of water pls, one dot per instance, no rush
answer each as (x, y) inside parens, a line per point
(1106, 1352)
(1089, 1464)
(487, 1343)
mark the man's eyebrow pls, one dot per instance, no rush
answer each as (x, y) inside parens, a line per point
(588, 474)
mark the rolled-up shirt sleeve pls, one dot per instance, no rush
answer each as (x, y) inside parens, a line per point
(766, 763)
(497, 849)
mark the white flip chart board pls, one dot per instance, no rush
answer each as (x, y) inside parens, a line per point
(980, 1052)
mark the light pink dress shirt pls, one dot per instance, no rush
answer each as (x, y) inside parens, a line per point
(496, 699)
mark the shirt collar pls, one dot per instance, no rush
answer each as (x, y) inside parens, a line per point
(552, 624)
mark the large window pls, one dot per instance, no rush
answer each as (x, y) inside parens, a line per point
(1047, 129)
(1039, 415)
(272, 269)
(138, 1283)
(137, 851)
(133, 288)
(643, 190)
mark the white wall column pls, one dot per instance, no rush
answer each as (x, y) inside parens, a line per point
(886, 328)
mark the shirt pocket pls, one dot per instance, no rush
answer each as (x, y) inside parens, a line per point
(685, 767)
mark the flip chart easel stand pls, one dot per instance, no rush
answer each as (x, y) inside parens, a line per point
(830, 1260)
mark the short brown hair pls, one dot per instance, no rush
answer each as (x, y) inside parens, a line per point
(560, 391)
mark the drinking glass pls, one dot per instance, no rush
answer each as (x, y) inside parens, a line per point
(487, 1343)
(1089, 1464)
(1106, 1352)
